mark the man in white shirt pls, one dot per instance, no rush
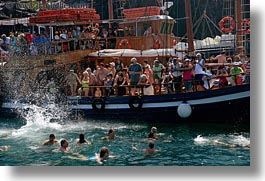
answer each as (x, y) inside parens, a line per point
(177, 74)
(199, 72)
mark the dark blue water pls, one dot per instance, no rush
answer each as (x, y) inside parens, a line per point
(179, 144)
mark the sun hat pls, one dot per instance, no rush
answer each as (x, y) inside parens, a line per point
(133, 59)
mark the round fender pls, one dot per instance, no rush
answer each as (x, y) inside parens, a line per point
(184, 110)
(135, 103)
(98, 104)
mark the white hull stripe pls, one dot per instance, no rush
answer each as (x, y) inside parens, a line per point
(148, 105)
(175, 103)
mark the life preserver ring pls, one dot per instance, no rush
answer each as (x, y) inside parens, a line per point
(135, 103)
(98, 104)
(230, 28)
(246, 24)
(123, 44)
(157, 44)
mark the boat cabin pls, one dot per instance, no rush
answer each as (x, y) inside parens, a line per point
(147, 32)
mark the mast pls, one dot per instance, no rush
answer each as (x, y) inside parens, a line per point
(239, 32)
(110, 8)
(189, 26)
(110, 4)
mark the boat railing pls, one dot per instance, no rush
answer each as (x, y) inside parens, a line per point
(24, 49)
(210, 83)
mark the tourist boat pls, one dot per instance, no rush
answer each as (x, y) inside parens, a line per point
(222, 105)
(213, 104)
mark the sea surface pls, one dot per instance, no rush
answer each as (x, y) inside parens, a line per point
(191, 144)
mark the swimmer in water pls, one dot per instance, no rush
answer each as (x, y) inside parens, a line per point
(153, 133)
(111, 135)
(64, 146)
(229, 144)
(104, 153)
(51, 140)
(150, 148)
(82, 140)
(3, 148)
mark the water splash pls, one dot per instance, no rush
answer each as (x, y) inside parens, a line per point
(40, 119)
(201, 140)
(240, 140)
(226, 140)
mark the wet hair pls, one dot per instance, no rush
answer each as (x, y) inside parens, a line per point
(103, 152)
(82, 138)
(151, 145)
(62, 142)
(111, 131)
(52, 136)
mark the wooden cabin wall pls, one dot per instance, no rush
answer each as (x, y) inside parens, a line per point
(142, 42)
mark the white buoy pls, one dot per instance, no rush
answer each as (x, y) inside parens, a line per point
(184, 110)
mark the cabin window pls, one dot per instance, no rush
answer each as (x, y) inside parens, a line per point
(165, 28)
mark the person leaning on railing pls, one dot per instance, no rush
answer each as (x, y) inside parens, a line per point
(236, 74)
(199, 72)
(158, 69)
(135, 70)
(188, 74)
(147, 88)
(247, 72)
(177, 74)
(119, 84)
(222, 76)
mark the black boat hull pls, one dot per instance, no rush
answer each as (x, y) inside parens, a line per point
(222, 105)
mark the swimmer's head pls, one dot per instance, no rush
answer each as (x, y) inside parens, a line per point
(64, 143)
(81, 136)
(153, 129)
(104, 152)
(111, 131)
(52, 137)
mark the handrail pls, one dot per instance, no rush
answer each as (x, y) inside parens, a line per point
(24, 49)
(194, 83)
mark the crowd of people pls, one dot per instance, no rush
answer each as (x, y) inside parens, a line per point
(178, 75)
(62, 39)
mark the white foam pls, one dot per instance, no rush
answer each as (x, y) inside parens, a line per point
(200, 140)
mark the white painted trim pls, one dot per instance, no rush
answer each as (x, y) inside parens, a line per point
(174, 103)
(146, 105)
